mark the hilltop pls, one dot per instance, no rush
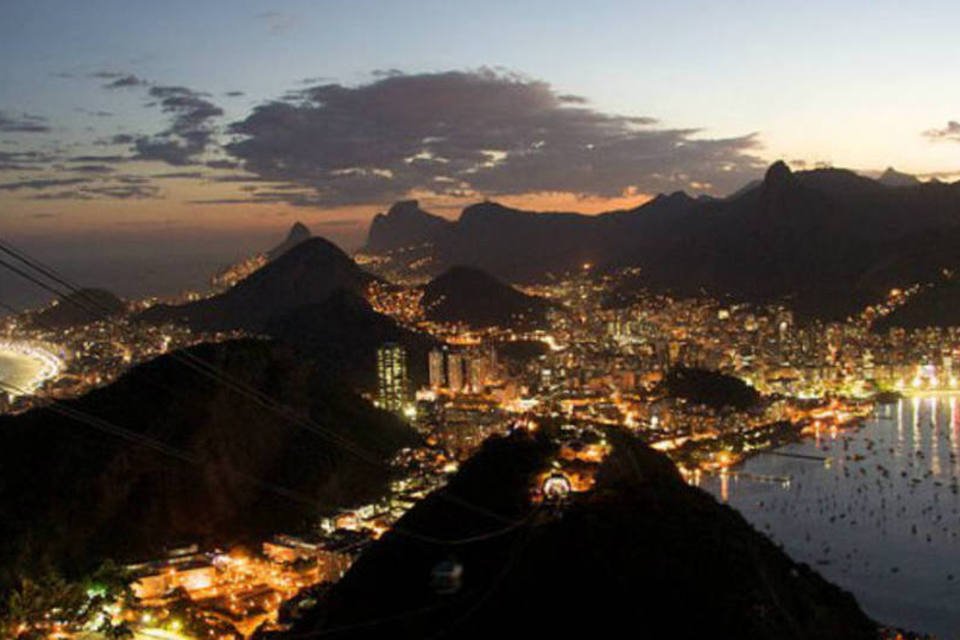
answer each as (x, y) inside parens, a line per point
(642, 551)
(297, 234)
(79, 308)
(477, 299)
(306, 274)
(73, 494)
(825, 241)
(404, 225)
(344, 332)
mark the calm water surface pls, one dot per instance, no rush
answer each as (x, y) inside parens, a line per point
(875, 510)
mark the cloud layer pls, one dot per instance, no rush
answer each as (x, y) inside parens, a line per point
(460, 134)
(949, 132)
(190, 131)
(482, 132)
(22, 123)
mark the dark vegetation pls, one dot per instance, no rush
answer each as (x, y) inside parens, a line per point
(643, 551)
(934, 306)
(79, 308)
(72, 495)
(475, 298)
(711, 388)
(343, 333)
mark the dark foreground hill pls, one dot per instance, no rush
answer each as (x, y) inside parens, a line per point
(643, 555)
(230, 470)
(826, 241)
(305, 274)
(475, 298)
(343, 332)
(79, 308)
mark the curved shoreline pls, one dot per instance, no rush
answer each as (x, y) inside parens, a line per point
(50, 365)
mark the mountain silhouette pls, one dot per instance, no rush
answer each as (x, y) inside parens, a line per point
(893, 178)
(636, 553)
(477, 299)
(825, 241)
(79, 308)
(934, 306)
(344, 333)
(404, 225)
(73, 495)
(306, 274)
(297, 234)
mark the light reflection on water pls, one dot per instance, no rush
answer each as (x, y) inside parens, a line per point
(880, 517)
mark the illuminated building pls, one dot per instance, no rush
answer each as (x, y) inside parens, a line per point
(477, 372)
(392, 377)
(455, 371)
(435, 364)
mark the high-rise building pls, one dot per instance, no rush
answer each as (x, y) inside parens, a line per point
(392, 377)
(438, 378)
(455, 372)
(477, 372)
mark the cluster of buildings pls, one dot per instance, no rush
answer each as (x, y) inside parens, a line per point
(462, 370)
(85, 357)
(230, 595)
(606, 365)
(597, 365)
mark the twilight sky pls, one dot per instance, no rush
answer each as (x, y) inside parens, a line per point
(160, 123)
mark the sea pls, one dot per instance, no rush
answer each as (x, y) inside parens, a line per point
(874, 509)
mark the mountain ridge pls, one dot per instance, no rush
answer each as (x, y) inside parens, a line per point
(579, 570)
(826, 241)
(102, 496)
(305, 274)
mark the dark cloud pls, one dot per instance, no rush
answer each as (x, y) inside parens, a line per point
(195, 175)
(126, 81)
(23, 160)
(95, 159)
(94, 191)
(225, 201)
(65, 194)
(22, 123)
(42, 183)
(91, 168)
(222, 164)
(125, 192)
(98, 182)
(189, 133)
(486, 131)
(950, 132)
